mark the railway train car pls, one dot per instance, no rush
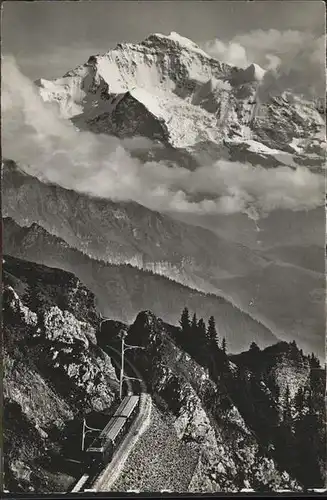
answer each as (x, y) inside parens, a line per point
(101, 450)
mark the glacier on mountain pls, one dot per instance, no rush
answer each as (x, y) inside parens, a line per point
(192, 97)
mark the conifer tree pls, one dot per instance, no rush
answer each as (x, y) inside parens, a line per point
(202, 341)
(224, 346)
(294, 351)
(202, 329)
(314, 361)
(212, 332)
(274, 387)
(185, 320)
(193, 337)
(194, 324)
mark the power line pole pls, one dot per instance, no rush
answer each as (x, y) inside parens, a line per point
(84, 432)
(122, 354)
(124, 348)
(102, 320)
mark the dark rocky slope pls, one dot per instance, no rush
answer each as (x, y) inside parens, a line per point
(283, 400)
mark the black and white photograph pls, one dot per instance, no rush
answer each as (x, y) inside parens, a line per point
(163, 246)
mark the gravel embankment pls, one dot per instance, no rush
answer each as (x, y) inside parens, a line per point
(159, 460)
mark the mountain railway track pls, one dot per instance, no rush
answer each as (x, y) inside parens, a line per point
(105, 447)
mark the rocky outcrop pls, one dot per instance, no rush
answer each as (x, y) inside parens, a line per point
(131, 118)
(282, 399)
(53, 369)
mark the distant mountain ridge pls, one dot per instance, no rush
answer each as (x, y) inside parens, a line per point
(122, 290)
(122, 232)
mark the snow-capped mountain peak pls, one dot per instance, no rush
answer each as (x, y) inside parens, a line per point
(171, 63)
(174, 38)
(169, 89)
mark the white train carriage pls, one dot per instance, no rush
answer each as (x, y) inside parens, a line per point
(101, 450)
(127, 406)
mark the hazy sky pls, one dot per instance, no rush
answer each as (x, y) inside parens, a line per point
(48, 38)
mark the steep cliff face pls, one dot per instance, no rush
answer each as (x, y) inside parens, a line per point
(198, 418)
(282, 362)
(53, 369)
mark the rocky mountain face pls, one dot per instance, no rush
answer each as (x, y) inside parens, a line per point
(296, 430)
(123, 232)
(54, 371)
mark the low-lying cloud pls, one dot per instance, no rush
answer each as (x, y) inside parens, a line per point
(50, 148)
(293, 59)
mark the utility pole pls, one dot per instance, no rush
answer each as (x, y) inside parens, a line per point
(102, 320)
(84, 432)
(122, 354)
(124, 348)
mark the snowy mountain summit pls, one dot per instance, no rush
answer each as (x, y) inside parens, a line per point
(167, 88)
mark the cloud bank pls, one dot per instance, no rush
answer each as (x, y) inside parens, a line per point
(50, 148)
(293, 59)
